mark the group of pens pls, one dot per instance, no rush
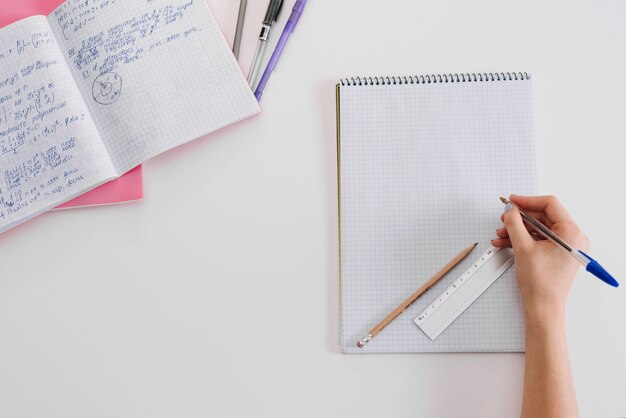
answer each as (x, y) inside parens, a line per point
(273, 11)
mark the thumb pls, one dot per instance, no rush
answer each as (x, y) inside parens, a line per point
(520, 238)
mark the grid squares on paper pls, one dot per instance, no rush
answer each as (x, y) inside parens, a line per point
(178, 92)
(421, 169)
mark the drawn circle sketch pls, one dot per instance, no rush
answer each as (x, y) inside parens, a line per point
(107, 88)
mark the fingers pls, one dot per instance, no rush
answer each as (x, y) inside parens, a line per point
(501, 243)
(518, 234)
(549, 211)
(505, 242)
(548, 205)
(504, 234)
(540, 216)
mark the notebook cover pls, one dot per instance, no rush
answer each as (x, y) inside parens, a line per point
(127, 188)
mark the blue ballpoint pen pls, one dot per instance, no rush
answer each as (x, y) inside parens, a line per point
(590, 264)
(284, 37)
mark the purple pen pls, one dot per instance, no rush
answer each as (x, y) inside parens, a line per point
(284, 37)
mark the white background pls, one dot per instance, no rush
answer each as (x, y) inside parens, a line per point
(217, 295)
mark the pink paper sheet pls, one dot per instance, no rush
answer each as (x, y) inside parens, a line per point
(127, 188)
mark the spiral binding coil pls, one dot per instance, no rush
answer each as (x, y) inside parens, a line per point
(433, 78)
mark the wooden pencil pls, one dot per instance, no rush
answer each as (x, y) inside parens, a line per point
(416, 295)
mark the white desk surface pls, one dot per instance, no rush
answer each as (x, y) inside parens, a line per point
(221, 300)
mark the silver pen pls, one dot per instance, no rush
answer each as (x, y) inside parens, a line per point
(270, 18)
(240, 21)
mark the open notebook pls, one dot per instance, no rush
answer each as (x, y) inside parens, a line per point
(97, 88)
(128, 187)
(422, 161)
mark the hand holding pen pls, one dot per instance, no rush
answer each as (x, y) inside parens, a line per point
(548, 251)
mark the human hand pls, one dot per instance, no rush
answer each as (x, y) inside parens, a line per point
(544, 272)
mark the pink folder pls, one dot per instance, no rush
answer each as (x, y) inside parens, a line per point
(127, 188)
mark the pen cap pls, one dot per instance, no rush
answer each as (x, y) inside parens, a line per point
(297, 12)
(273, 10)
(597, 270)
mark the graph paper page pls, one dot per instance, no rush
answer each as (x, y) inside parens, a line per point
(421, 169)
(155, 74)
(50, 149)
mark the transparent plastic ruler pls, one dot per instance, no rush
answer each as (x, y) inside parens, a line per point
(464, 291)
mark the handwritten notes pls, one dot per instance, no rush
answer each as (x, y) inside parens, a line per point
(155, 74)
(99, 44)
(99, 87)
(46, 135)
(103, 51)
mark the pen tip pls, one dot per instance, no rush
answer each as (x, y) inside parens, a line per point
(475, 244)
(504, 200)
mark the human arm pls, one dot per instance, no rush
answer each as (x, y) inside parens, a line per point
(545, 274)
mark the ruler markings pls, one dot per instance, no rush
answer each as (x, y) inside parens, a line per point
(464, 291)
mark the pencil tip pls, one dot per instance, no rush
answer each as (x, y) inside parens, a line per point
(475, 244)
(504, 200)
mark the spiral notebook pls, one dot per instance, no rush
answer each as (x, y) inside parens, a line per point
(422, 161)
